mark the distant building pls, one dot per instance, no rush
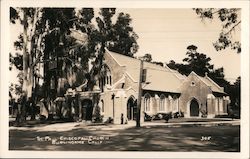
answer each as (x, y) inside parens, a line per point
(163, 91)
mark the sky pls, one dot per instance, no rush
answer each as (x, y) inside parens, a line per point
(166, 33)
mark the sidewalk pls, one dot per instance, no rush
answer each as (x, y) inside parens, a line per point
(167, 125)
(60, 127)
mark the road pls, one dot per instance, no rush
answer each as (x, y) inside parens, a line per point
(153, 138)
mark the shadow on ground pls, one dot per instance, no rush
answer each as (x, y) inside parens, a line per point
(223, 138)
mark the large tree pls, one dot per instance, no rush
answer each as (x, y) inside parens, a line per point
(64, 41)
(29, 43)
(230, 23)
(116, 35)
(195, 61)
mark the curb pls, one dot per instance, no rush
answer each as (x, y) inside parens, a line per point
(192, 125)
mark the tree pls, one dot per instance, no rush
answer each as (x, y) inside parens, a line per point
(218, 76)
(230, 22)
(237, 87)
(195, 61)
(28, 18)
(118, 37)
(125, 40)
(38, 25)
(198, 62)
(64, 41)
(172, 64)
(146, 57)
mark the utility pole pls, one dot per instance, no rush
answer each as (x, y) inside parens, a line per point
(113, 99)
(138, 116)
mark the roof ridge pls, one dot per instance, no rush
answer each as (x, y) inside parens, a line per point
(157, 67)
(112, 56)
(200, 78)
(112, 52)
(214, 82)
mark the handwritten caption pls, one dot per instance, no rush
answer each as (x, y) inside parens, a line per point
(90, 140)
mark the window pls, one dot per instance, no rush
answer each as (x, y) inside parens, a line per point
(147, 102)
(102, 106)
(162, 103)
(110, 80)
(105, 77)
(192, 83)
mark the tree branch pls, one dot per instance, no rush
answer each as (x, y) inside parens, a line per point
(233, 28)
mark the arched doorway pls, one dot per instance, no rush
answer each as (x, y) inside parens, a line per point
(194, 108)
(131, 109)
(87, 109)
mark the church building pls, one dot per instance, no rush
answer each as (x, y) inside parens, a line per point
(164, 90)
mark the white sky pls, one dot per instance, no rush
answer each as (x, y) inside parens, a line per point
(166, 33)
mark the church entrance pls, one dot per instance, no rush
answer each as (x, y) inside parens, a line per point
(131, 109)
(194, 108)
(87, 109)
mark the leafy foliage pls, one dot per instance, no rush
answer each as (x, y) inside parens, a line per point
(16, 60)
(146, 57)
(118, 37)
(13, 15)
(195, 61)
(230, 20)
(65, 40)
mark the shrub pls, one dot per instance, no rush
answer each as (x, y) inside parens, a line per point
(97, 117)
(147, 117)
(109, 120)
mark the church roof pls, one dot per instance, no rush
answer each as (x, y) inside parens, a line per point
(158, 78)
(210, 83)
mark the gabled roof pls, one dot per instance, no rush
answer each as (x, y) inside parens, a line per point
(132, 65)
(158, 78)
(210, 83)
(161, 78)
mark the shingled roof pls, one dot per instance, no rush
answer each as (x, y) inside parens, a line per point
(158, 78)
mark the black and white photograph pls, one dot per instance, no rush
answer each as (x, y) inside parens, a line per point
(113, 78)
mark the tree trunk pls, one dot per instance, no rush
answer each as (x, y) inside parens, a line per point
(28, 65)
(32, 62)
(20, 113)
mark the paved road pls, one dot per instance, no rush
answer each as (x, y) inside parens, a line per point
(151, 138)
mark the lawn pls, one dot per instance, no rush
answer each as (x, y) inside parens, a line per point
(157, 138)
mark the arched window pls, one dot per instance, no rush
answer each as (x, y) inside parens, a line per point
(162, 103)
(107, 79)
(170, 103)
(105, 76)
(147, 103)
(102, 106)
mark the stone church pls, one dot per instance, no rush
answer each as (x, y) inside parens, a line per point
(165, 90)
